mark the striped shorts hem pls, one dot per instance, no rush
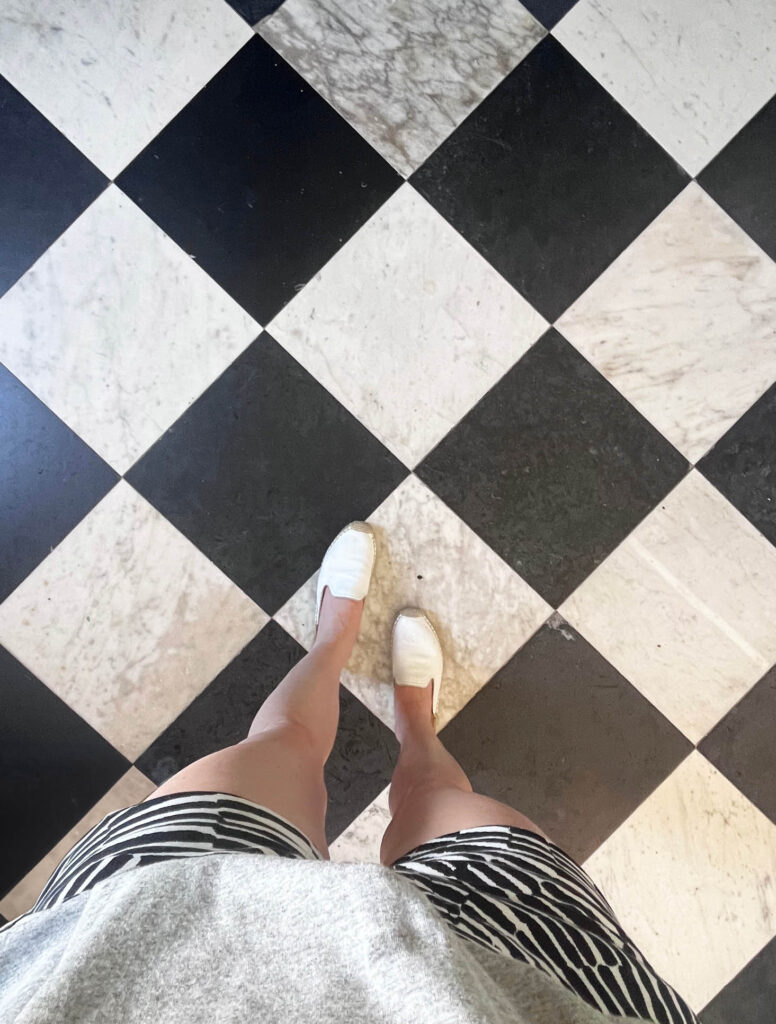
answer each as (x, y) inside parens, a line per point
(169, 827)
(521, 896)
(501, 887)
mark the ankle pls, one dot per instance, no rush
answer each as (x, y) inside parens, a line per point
(413, 712)
(338, 620)
(414, 728)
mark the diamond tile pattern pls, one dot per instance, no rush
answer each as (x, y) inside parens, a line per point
(110, 75)
(126, 620)
(568, 465)
(54, 767)
(685, 598)
(404, 75)
(49, 479)
(259, 180)
(123, 359)
(379, 359)
(695, 832)
(738, 178)
(740, 744)
(559, 733)
(692, 75)
(739, 464)
(263, 470)
(681, 322)
(44, 184)
(543, 367)
(549, 178)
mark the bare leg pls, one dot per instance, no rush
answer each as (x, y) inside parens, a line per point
(430, 794)
(280, 762)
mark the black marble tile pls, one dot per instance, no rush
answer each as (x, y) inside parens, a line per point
(740, 178)
(741, 745)
(49, 480)
(264, 470)
(45, 183)
(549, 178)
(221, 715)
(53, 768)
(742, 464)
(560, 735)
(259, 179)
(549, 12)
(360, 766)
(750, 997)
(255, 11)
(553, 467)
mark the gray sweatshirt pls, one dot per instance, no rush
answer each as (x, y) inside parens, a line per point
(240, 937)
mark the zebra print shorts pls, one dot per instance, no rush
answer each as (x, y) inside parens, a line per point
(502, 887)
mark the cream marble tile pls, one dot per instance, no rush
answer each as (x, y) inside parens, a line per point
(427, 556)
(111, 73)
(691, 874)
(131, 788)
(127, 621)
(682, 323)
(404, 73)
(360, 842)
(691, 73)
(683, 607)
(403, 297)
(118, 330)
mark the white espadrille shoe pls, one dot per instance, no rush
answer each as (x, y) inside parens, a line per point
(347, 566)
(417, 653)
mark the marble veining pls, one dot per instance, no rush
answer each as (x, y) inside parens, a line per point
(404, 73)
(117, 330)
(427, 556)
(683, 606)
(682, 323)
(127, 621)
(691, 73)
(132, 788)
(111, 74)
(709, 856)
(403, 298)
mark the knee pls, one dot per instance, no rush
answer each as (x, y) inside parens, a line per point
(293, 736)
(424, 790)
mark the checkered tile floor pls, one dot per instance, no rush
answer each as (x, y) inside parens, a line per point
(499, 278)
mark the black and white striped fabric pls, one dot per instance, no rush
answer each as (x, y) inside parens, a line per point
(502, 887)
(166, 827)
(520, 895)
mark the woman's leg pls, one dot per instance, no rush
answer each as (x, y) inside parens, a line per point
(430, 794)
(280, 762)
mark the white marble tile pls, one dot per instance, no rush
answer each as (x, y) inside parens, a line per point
(360, 842)
(692, 73)
(117, 330)
(131, 788)
(110, 74)
(684, 606)
(682, 322)
(404, 74)
(691, 874)
(127, 621)
(426, 556)
(403, 298)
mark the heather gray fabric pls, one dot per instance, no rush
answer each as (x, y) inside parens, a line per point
(240, 937)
